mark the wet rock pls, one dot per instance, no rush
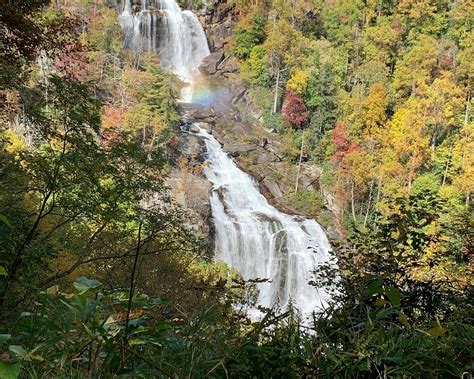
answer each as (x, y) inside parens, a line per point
(204, 126)
(333, 234)
(194, 128)
(202, 115)
(211, 62)
(193, 193)
(191, 145)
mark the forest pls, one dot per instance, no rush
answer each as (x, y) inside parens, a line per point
(102, 273)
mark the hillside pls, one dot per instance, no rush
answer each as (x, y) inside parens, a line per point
(233, 188)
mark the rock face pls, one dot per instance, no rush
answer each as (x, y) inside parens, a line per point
(217, 17)
(211, 62)
(239, 148)
(188, 185)
(272, 187)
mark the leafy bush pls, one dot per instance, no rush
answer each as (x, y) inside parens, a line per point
(255, 69)
(86, 333)
(308, 202)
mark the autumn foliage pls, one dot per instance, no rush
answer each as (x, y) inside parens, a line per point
(294, 110)
(342, 143)
(113, 121)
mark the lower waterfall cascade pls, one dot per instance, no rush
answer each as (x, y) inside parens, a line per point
(261, 242)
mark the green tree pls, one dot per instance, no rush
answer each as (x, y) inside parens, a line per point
(415, 67)
(250, 32)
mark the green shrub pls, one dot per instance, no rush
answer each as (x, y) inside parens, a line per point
(307, 202)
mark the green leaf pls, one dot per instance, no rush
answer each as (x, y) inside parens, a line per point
(53, 291)
(84, 285)
(380, 302)
(19, 351)
(437, 331)
(394, 295)
(9, 370)
(3, 271)
(404, 320)
(5, 220)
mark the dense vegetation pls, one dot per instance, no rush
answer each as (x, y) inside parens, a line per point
(100, 276)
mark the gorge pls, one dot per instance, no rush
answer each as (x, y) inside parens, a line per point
(277, 249)
(236, 189)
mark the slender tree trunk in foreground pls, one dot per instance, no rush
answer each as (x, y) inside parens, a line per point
(132, 278)
(369, 204)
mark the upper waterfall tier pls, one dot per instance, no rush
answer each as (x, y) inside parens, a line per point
(162, 27)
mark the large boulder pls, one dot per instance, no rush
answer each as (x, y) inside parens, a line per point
(197, 126)
(237, 149)
(201, 115)
(210, 63)
(272, 187)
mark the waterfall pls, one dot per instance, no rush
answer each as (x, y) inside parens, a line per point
(176, 36)
(260, 241)
(251, 235)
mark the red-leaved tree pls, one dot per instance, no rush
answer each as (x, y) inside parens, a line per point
(342, 143)
(294, 110)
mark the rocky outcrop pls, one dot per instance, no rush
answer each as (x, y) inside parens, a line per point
(210, 63)
(239, 148)
(188, 185)
(272, 187)
(259, 153)
(217, 18)
(216, 64)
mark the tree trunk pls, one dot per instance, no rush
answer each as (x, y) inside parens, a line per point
(144, 136)
(379, 186)
(19, 254)
(448, 161)
(152, 144)
(299, 164)
(368, 205)
(468, 106)
(277, 83)
(132, 278)
(352, 202)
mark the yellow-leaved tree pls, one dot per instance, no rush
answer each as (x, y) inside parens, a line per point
(408, 141)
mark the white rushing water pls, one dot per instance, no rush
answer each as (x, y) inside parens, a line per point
(260, 241)
(176, 36)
